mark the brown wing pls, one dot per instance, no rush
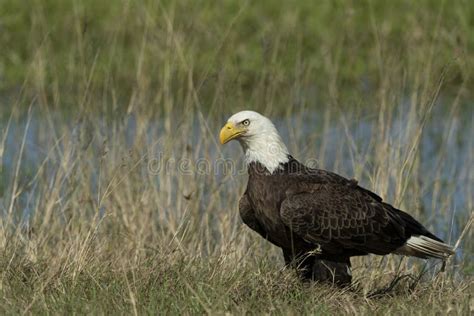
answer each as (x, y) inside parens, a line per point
(343, 217)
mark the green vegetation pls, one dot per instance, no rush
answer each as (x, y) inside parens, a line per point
(120, 54)
(95, 93)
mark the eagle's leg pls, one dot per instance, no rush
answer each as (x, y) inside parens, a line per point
(313, 268)
(336, 272)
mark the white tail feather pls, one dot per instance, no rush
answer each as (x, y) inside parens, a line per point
(425, 247)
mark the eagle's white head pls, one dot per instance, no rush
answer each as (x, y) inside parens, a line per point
(258, 137)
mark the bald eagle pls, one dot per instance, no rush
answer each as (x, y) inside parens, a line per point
(318, 218)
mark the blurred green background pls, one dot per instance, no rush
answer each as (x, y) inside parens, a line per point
(121, 54)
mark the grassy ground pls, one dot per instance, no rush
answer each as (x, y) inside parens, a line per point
(96, 94)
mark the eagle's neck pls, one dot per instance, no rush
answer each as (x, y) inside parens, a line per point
(267, 149)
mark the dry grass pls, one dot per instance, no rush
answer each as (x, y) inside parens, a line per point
(90, 225)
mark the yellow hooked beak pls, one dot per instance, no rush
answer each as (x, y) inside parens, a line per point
(230, 132)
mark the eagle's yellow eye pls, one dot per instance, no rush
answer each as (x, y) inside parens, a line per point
(246, 122)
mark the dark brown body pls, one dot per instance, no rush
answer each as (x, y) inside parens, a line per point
(320, 219)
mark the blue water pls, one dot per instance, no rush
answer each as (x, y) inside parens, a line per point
(445, 137)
